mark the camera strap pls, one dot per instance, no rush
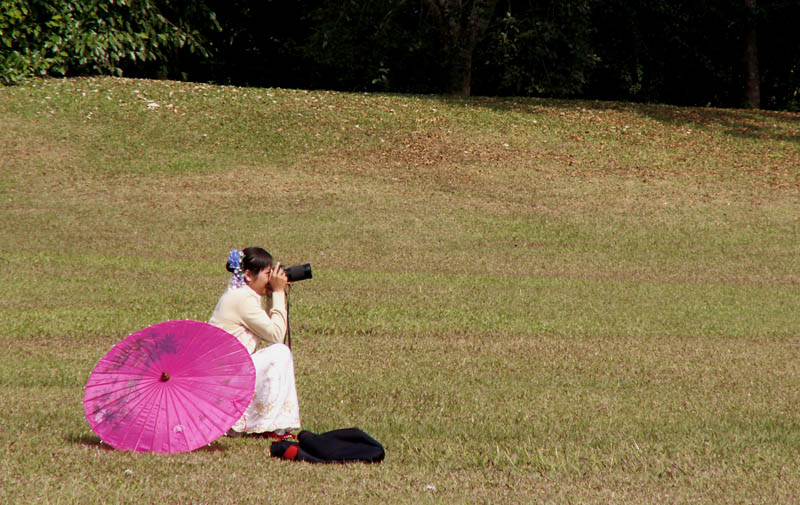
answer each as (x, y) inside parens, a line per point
(288, 339)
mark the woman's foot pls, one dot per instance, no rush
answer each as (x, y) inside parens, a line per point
(279, 434)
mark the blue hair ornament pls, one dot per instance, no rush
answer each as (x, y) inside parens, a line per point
(235, 265)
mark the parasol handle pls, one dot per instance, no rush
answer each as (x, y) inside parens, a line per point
(165, 377)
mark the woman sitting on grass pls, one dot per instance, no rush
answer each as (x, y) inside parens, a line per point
(274, 410)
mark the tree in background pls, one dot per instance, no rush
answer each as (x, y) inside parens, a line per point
(74, 37)
(350, 45)
(673, 51)
(752, 78)
(259, 43)
(669, 51)
(462, 24)
(540, 48)
(694, 53)
(383, 45)
(779, 54)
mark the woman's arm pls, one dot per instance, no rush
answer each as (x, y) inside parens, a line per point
(268, 327)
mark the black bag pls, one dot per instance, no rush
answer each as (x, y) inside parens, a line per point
(337, 446)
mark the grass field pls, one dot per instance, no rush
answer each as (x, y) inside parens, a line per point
(524, 300)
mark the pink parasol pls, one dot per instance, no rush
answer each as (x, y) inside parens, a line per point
(171, 387)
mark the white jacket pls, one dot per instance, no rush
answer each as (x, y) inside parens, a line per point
(240, 313)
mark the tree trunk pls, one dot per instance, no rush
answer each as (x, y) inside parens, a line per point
(752, 77)
(460, 36)
(461, 73)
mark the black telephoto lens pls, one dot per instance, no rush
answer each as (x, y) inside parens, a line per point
(298, 272)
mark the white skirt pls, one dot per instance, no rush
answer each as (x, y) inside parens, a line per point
(274, 405)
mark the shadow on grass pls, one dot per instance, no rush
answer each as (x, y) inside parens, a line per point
(94, 441)
(88, 440)
(741, 123)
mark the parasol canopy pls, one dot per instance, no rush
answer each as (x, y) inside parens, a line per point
(171, 387)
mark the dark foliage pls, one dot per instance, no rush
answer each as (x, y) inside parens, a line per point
(670, 51)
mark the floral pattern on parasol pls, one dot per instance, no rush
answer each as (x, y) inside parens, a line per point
(171, 387)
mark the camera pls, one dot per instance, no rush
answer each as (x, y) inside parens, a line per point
(298, 272)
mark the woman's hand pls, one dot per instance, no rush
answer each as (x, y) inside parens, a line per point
(278, 281)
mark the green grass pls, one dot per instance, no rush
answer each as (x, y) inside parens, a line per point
(525, 300)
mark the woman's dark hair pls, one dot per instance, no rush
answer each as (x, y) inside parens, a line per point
(255, 259)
